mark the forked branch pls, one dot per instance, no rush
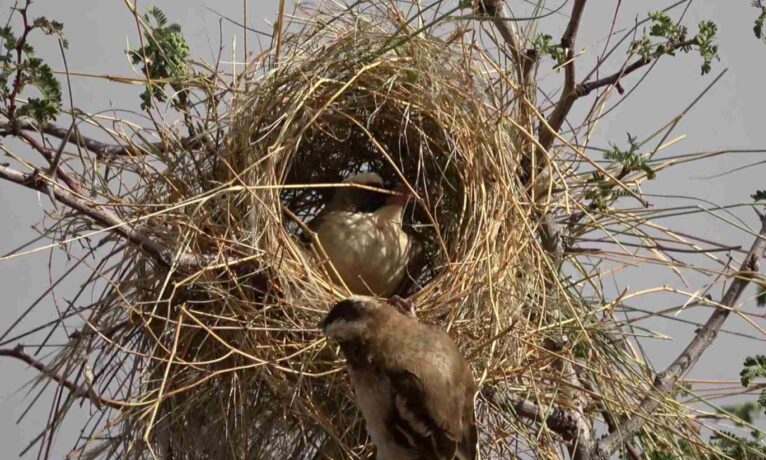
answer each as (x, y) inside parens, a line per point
(666, 381)
(569, 94)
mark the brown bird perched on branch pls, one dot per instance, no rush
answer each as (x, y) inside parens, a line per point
(412, 384)
(360, 231)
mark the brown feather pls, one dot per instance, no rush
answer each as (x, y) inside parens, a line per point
(429, 384)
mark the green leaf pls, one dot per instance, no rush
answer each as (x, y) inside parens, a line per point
(754, 367)
(759, 195)
(41, 110)
(760, 296)
(545, 46)
(737, 447)
(745, 411)
(670, 37)
(630, 159)
(758, 25)
(163, 57)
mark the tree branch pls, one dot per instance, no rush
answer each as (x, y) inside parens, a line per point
(495, 9)
(107, 219)
(570, 424)
(49, 157)
(572, 93)
(101, 149)
(665, 381)
(586, 88)
(77, 390)
(569, 93)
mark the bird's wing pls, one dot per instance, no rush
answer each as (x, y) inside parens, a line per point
(411, 422)
(432, 406)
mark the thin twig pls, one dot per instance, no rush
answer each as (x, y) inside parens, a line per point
(101, 149)
(80, 392)
(105, 218)
(495, 9)
(586, 88)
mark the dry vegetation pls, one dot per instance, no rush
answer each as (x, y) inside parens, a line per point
(202, 337)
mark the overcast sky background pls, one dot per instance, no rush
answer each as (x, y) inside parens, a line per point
(730, 116)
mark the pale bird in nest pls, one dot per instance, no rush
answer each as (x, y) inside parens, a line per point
(412, 384)
(360, 231)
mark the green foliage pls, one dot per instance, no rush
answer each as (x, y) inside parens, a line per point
(21, 69)
(665, 38)
(630, 159)
(545, 46)
(603, 190)
(163, 58)
(760, 296)
(759, 195)
(758, 26)
(51, 28)
(738, 447)
(754, 367)
(745, 412)
(706, 44)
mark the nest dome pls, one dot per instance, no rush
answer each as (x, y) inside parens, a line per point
(338, 100)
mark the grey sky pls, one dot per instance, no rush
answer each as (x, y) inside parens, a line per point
(730, 116)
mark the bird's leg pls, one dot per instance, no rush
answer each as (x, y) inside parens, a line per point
(406, 306)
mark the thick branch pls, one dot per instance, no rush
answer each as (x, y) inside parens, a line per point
(665, 381)
(77, 390)
(105, 218)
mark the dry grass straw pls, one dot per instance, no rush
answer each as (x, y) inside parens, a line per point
(225, 361)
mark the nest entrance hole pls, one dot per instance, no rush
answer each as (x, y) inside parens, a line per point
(393, 147)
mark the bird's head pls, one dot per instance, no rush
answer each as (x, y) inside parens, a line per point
(353, 318)
(358, 199)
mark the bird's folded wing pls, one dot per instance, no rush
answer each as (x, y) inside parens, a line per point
(425, 429)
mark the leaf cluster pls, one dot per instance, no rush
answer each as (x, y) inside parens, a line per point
(666, 38)
(627, 161)
(758, 25)
(164, 59)
(544, 45)
(20, 68)
(754, 368)
(738, 447)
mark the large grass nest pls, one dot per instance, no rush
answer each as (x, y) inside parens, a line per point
(226, 361)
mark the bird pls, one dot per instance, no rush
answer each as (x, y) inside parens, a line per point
(413, 386)
(360, 232)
